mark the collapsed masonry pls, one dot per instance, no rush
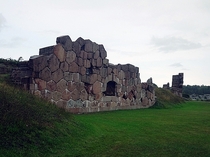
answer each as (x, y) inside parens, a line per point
(78, 77)
(177, 84)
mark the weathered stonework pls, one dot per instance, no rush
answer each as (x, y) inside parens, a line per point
(177, 84)
(78, 77)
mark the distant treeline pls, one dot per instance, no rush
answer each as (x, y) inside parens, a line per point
(195, 89)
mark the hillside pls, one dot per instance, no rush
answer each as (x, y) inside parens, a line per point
(166, 99)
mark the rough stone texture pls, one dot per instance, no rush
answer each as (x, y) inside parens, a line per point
(61, 85)
(46, 50)
(73, 67)
(70, 57)
(78, 77)
(65, 41)
(75, 94)
(66, 95)
(53, 63)
(57, 75)
(59, 52)
(41, 84)
(45, 74)
(97, 87)
(177, 84)
(51, 85)
(64, 66)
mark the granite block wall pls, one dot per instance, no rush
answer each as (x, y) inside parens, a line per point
(77, 76)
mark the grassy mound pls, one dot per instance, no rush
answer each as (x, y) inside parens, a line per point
(166, 99)
(28, 122)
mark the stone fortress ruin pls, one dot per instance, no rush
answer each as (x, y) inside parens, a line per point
(177, 84)
(77, 76)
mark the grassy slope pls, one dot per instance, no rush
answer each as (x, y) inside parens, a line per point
(166, 99)
(33, 127)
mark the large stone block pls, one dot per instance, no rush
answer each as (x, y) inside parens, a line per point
(104, 72)
(68, 76)
(51, 85)
(75, 94)
(93, 78)
(81, 41)
(87, 63)
(96, 55)
(93, 62)
(96, 71)
(71, 86)
(80, 61)
(99, 62)
(89, 55)
(102, 51)
(95, 47)
(41, 84)
(76, 77)
(61, 103)
(56, 95)
(35, 61)
(77, 48)
(65, 41)
(73, 67)
(45, 74)
(46, 50)
(121, 75)
(64, 66)
(59, 52)
(83, 95)
(53, 63)
(57, 75)
(124, 67)
(145, 101)
(66, 95)
(97, 87)
(83, 54)
(88, 46)
(70, 57)
(98, 96)
(82, 70)
(61, 85)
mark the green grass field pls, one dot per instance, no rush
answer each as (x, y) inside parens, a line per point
(32, 127)
(181, 131)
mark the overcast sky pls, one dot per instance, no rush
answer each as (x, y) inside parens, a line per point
(162, 38)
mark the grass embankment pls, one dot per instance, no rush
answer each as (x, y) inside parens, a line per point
(166, 99)
(32, 127)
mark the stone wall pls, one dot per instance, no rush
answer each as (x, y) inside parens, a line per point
(77, 76)
(177, 84)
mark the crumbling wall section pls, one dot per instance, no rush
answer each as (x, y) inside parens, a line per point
(177, 84)
(77, 76)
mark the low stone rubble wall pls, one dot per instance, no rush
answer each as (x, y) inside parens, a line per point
(77, 76)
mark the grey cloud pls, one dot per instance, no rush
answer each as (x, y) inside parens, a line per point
(171, 44)
(2, 21)
(176, 65)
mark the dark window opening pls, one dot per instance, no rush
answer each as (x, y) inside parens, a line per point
(110, 89)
